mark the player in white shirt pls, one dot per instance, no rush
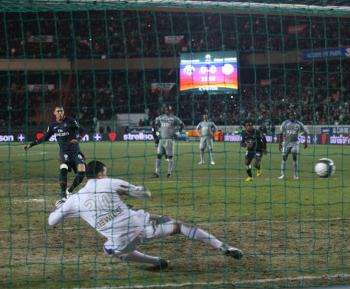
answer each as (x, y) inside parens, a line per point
(166, 126)
(289, 142)
(100, 205)
(206, 130)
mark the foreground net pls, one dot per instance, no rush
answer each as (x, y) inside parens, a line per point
(114, 66)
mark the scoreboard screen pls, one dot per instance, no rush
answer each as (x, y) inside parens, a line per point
(209, 71)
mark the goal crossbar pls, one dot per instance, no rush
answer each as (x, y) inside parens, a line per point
(187, 6)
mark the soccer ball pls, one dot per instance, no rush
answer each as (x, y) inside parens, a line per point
(324, 168)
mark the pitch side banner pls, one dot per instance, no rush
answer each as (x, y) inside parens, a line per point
(144, 136)
(341, 130)
(319, 54)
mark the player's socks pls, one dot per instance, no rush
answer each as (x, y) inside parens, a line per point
(157, 166)
(295, 168)
(202, 157)
(283, 167)
(249, 172)
(63, 179)
(258, 170)
(79, 177)
(136, 256)
(195, 233)
(170, 166)
(211, 156)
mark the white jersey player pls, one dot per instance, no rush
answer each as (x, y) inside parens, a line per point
(206, 129)
(166, 126)
(289, 142)
(100, 205)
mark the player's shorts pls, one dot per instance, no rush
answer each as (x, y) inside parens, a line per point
(206, 142)
(159, 226)
(290, 147)
(166, 146)
(145, 229)
(250, 155)
(72, 159)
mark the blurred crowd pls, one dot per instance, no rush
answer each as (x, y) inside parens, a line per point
(319, 91)
(115, 34)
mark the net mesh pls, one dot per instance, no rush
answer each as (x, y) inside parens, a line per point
(114, 65)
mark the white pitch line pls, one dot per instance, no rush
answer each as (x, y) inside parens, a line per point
(34, 153)
(166, 285)
(325, 277)
(340, 276)
(29, 201)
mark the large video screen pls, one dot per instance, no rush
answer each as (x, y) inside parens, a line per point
(209, 71)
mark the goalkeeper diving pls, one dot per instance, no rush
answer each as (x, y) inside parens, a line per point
(99, 203)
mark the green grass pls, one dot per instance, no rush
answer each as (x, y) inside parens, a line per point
(286, 228)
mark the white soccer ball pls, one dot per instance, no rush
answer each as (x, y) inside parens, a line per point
(324, 168)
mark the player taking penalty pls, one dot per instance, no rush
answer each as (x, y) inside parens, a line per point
(71, 158)
(255, 143)
(99, 203)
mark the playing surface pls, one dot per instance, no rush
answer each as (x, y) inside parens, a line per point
(286, 228)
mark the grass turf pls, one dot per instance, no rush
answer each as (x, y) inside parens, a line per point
(286, 228)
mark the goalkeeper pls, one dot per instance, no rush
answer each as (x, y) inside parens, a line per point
(99, 203)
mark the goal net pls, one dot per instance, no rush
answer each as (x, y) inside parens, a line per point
(115, 66)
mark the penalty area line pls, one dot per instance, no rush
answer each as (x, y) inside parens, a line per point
(324, 278)
(32, 200)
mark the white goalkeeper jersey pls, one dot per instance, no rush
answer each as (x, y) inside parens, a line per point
(99, 204)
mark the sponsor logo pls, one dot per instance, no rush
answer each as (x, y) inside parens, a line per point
(21, 137)
(6, 138)
(138, 136)
(112, 136)
(97, 137)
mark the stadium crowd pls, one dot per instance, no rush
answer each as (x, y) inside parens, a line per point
(319, 90)
(115, 34)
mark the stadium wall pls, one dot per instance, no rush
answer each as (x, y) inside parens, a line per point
(135, 63)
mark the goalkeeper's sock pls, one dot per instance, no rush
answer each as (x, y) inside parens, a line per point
(63, 179)
(283, 167)
(157, 166)
(195, 233)
(136, 256)
(79, 177)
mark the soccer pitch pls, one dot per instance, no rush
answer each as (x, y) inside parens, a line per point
(287, 228)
